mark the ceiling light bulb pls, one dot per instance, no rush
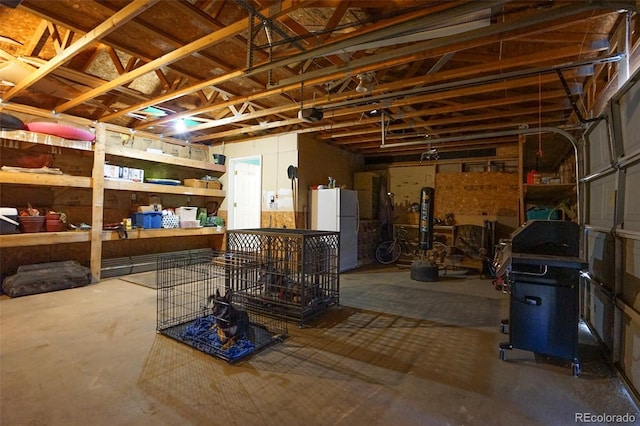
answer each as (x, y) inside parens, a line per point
(180, 126)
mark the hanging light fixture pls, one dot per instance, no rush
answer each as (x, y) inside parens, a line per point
(367, 82)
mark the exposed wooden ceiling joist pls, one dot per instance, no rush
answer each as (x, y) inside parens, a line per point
(189, 58)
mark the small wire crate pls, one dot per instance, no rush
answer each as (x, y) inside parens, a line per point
(192, 308)
(293, 271)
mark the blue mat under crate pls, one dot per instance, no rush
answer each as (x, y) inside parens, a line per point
(202, 335)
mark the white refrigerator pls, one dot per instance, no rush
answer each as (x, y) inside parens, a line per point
(337, 210)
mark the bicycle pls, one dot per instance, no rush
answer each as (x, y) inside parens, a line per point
(390, 251)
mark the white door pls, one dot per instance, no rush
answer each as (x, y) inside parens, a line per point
(245, 181)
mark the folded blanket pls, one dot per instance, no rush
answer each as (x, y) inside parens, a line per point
(203, 335)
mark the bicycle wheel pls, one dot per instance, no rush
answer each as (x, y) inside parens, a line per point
(388, 252)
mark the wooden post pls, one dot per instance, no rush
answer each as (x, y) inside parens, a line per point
(98, 200)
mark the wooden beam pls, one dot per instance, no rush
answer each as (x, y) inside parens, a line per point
(369, 33)
(517, 62)
(167, 59)
(35, 44)
(350, 110)
(120, 18)
(375, 133)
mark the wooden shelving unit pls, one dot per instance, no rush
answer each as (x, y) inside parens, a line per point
(136, 234)
(20, 178)
(43, 238)
(22, 181)
(546, 194)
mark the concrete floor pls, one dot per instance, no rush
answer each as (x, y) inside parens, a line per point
(397, 352)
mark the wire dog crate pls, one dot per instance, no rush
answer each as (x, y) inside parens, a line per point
(186, 307)
(294, 271)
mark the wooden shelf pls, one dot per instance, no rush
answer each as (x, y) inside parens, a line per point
(123, 185)
(163, 158)
(97, 185)
(41, 139)
(44, 179)
(549, 193)
(43, 238)
(135, 234)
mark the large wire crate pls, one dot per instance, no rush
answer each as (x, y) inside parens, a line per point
(295, 270)
(185, 312)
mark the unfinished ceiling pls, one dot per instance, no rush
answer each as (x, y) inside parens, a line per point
(387, 79)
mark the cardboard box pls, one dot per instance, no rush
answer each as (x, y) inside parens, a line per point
(200, 183)
(175, 150)
(111, 171)
(214, 184)
(195, 183)
(141, 143)
(136, 175)
(124, 173)
(413, 218)
(119, 139)
(150, 208)
(198, 153)
(366, 180)
(368, 204)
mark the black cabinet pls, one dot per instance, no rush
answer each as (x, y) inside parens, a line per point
(543, 285)
(544, 313)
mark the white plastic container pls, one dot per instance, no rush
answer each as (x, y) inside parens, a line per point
(7, 216)
(187, 214)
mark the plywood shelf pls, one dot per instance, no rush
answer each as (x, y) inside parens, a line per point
(44, 179)
(163, 158)
(43, 238)
(550, 193)
(123, 185)
(135, 234)
(40, 139)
